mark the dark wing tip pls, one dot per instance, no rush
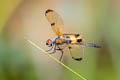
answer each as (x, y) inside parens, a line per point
(49, 10)
(52, 24)
(78, 59)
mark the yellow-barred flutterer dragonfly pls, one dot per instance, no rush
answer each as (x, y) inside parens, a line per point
(75, 43)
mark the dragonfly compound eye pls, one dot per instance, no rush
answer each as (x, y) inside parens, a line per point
(49, 42)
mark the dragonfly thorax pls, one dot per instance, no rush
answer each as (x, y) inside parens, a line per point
(69, 39)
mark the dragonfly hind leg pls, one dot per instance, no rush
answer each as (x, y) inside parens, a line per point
(61, 55)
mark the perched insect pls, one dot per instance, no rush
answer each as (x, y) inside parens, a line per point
(74, 42)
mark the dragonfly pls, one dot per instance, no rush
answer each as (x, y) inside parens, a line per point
(75, 43)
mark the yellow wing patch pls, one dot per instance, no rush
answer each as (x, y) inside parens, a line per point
(77, 52)
(55, 21)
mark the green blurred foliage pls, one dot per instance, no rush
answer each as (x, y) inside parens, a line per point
(15, 62)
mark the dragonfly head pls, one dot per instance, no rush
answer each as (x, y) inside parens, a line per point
(49, 43)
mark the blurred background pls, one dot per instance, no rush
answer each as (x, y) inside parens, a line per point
(97, 20)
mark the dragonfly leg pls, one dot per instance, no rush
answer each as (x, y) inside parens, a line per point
(61, 50)
(58, 50)
(61, 55)
(49, 49)
(54, 50)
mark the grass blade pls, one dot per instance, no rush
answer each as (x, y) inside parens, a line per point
(68, 68)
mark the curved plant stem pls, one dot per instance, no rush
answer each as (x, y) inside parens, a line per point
(68, 68)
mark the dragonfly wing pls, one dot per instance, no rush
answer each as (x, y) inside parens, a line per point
(76, 51)
(55, 21)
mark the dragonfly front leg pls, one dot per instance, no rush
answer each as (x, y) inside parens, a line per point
(54, 50)
(49, 49)
(58, 50)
